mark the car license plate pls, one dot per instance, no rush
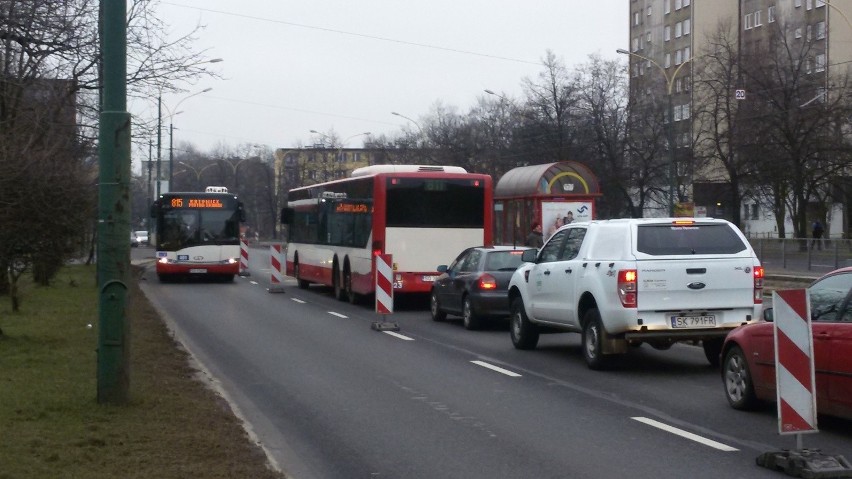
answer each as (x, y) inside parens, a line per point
(679, 322)
(428, 279)
(197, 270)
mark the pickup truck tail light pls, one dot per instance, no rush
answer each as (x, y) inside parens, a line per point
(627, 292)
(758, 284)
(486, 282)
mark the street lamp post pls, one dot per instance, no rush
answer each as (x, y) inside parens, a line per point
(198, 173)
(670, 129)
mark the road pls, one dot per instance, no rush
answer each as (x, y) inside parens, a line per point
(329, 397)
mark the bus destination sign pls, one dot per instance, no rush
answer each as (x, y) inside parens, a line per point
(352, 208)
(204, 203)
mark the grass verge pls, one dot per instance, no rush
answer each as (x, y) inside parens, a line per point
(50, 422)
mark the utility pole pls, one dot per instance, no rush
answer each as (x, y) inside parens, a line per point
(113, 254)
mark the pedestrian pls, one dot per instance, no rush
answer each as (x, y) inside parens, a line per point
(535, 238)
(817, 234)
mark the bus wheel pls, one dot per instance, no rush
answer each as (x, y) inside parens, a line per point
(302, 283)
(335, 280)
(347, 286)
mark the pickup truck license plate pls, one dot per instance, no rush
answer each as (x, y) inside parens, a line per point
(683, 322)
(428, 279)
(198, 270)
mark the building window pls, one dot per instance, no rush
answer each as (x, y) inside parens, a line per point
(635, 44)
(677, 113)
(686, 26)
(678, 85)
(820, 30)
(686, 52)
(685, 3)
(635, 18)
(770, 14)
(757, 21)
(648, 38)
(755, 212)
(649, 11)
(747, 21)
(809, 29)
(798, 3)
(678, 29)
(668, 5)
(686, 83)
(820, 63)
(678, 57)
(809, 4)
(819, 3)
(678, 4)
(668, 62)
(668, 33)
(798, 32)
(686, 111)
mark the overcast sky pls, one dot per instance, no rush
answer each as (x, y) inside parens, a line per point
(344, 65)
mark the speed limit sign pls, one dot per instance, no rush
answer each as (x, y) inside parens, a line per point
(739, 94)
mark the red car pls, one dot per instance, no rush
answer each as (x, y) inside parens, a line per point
(748, 354)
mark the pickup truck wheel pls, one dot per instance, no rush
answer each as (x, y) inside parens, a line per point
(469, 317)
(435, 308)
(739, 388)
(524, 333)
(592, 340)
(712, 350)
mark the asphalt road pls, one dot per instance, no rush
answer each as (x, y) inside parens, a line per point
(329, 397)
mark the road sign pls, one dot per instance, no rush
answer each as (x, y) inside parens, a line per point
(740, 94)
(794, 362)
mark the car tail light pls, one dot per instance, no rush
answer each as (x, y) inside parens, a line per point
(627, 292)
(486, 282)
(758, 284)
(377, 248)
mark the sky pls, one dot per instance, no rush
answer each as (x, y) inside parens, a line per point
(289, 67)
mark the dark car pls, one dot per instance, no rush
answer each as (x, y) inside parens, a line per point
(748, 364)
(475, 286)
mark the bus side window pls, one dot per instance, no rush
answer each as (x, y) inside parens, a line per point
(242, 212)
(287, 216)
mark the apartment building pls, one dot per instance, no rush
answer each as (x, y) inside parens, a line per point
(668, 39)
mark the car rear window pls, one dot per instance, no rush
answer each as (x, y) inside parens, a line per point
(503, 260)
(717, 238)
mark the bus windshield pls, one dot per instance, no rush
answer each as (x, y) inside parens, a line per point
(182, 228)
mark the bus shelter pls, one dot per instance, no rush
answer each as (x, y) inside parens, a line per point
(549, 194)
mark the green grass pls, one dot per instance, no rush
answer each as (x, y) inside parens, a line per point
(51, 425)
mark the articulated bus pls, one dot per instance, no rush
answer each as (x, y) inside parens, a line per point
(198, 234)
(422, 215)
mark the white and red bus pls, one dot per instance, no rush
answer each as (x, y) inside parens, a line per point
(198, 234)
(422, 215)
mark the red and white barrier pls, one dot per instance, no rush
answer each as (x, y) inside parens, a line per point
(244, 268)
(384, 284)
(794, 362)
(276, 285)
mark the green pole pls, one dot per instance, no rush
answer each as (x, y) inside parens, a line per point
(113, 254)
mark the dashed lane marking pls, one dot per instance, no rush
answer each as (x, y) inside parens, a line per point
(496, 368)
(338, 315)
(397, 335)
(685, 434)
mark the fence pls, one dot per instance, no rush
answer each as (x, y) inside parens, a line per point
(803, 255)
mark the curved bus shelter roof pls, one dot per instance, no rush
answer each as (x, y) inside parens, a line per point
(552, 179)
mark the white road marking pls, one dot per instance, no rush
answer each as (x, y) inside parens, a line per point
(297, 300)
(495, 368)
(397, 335)
(253, 282)
(685, 434)
(337, 314)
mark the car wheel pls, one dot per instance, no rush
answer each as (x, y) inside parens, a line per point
(435, 308)
(712, 350)
(471, 320)
(302, 283)
(524, 333)
(593, 340)
(739, 388)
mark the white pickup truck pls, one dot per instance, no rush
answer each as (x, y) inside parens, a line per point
(627, 281)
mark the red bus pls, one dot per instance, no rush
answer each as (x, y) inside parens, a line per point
(422, 215)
